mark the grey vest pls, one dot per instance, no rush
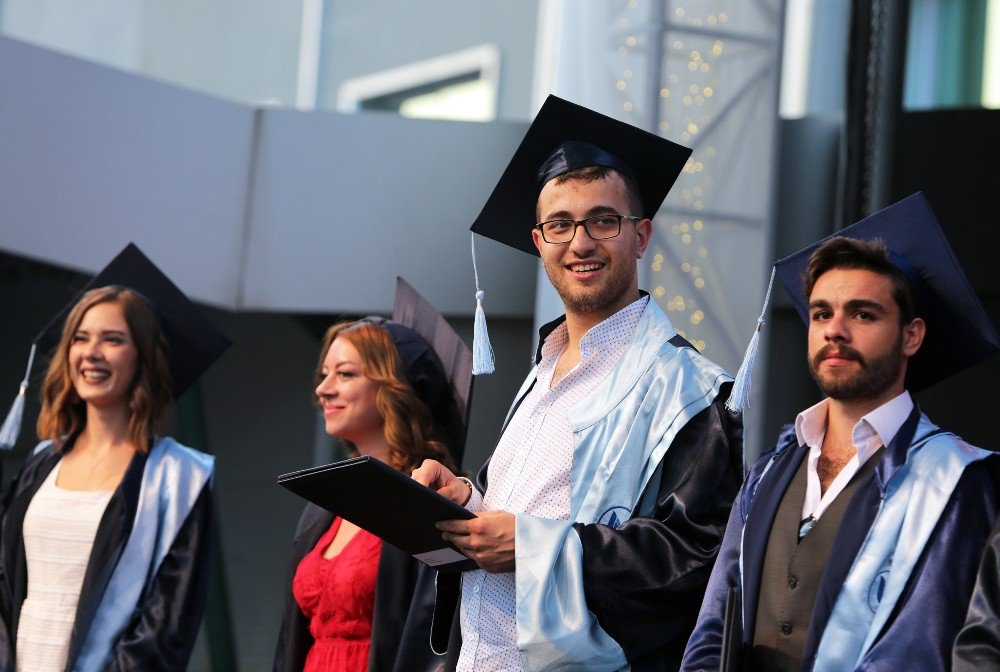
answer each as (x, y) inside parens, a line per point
(792, 572)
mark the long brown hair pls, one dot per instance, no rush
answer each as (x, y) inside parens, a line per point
(409, 427)
(64, 414)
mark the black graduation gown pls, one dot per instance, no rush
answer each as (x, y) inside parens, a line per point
(404, 602)
(645, 580)
(165, 625)
(977, 647)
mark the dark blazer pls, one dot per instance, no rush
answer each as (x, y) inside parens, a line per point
(404, 602)
(163, 630)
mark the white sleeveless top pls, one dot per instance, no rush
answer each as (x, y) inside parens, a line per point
(59, 530)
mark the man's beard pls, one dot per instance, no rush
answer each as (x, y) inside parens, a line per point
(873, 378)
(581, 300)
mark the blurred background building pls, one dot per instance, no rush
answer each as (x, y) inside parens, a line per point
(284, 160)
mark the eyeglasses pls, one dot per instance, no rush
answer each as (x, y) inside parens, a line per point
(598, 227)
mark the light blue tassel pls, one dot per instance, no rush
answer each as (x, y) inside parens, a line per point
(482, 351)
(740, 396)
(12, 425)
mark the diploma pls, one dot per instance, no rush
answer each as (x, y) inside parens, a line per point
(387, 503)
(732, 634)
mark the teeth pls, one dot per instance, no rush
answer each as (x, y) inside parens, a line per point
(95, 376)
(582, 268)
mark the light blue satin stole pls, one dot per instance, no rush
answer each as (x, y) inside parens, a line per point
(915, 498)
(172, 480)
(621, 433)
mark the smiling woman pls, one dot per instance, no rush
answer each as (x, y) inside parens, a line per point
(354, 603)
(104, 534)
(102, 357)
(112, 356)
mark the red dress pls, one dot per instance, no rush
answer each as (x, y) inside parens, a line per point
(338, 598)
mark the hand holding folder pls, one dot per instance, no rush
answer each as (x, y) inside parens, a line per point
(387, 503)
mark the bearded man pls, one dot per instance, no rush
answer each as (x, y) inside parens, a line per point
(854, 542)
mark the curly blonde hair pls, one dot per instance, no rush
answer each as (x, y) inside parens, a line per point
(409, 425)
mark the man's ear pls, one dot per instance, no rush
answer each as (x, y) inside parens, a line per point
(644, 231)
(913, 336)
(536, 238)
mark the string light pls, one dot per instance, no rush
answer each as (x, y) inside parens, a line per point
(693, 88)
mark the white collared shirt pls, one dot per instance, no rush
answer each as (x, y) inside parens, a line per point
(874, 430)
(530, 473)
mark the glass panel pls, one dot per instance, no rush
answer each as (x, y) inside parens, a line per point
(948, 62)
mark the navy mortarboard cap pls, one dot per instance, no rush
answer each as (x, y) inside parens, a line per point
(436, 363)
(194, 342)
(959, 333)
(563, 137)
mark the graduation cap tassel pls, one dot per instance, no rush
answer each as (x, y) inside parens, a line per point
(12, 425)
(740, 396)
(482, 351)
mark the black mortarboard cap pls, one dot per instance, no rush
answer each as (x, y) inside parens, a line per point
(565, 136)
(194, 342)
(959, 333)
(436, 362)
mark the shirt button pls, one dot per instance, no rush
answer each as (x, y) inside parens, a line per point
(786, 628)
(793, 582)
(476, 589)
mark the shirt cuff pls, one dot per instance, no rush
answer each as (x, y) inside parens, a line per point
(475, 503)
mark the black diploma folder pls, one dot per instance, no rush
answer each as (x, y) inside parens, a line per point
(387, 503)
(732, 634)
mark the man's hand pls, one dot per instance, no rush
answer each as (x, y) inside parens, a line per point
(438, 477)
(488, 539)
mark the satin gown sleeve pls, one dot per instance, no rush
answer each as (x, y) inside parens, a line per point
(163, 632)
(978, 644)
(645, 580)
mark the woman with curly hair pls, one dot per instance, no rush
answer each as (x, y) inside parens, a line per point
(354, 603)
(104, 535)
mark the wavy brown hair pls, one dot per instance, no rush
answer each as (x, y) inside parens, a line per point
(64, 414)
(409, 427)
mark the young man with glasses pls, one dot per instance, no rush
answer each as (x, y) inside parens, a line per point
(604, 503)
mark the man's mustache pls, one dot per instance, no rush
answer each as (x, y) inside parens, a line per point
(841, 351)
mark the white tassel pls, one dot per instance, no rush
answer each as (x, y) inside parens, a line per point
(739, 398)
(482, 351)
(11, 428)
